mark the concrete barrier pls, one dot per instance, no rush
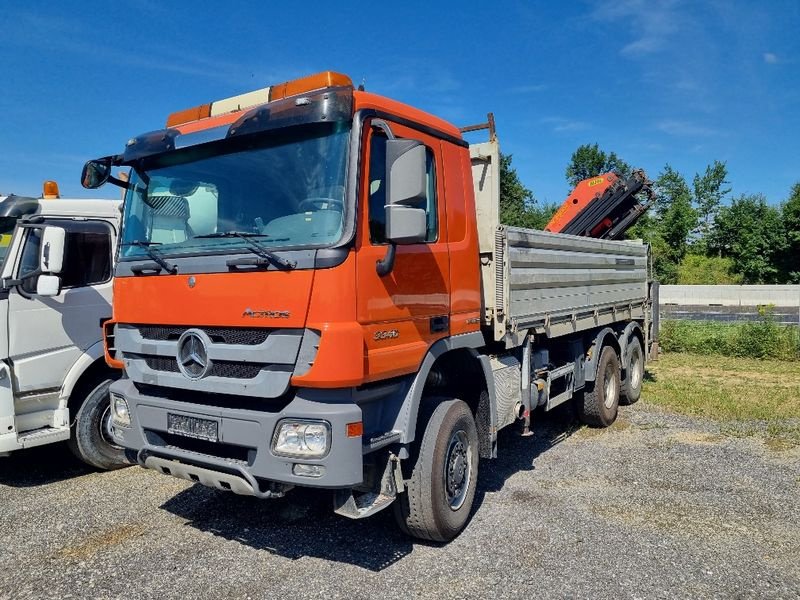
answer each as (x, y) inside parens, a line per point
(730, 295)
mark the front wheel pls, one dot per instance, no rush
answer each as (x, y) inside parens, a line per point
(91, 439)
(439, 495)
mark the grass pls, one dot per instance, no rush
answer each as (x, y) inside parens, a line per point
(749, 396)
(761, 339)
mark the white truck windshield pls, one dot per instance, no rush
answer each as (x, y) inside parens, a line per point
(285, 190)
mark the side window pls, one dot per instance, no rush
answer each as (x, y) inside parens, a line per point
(29, 262)
(377, 192)
(87, 257)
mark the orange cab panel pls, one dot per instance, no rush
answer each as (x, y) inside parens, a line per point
(264, 299)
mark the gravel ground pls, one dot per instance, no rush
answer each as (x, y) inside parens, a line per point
(657, 506)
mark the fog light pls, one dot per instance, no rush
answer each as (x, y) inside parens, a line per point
(308, 470)
(120, 415)
(301, 438)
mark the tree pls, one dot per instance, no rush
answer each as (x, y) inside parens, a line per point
(589, 161)
(709, 191)
(696, 269)
(668, 232)
(790, 213)
(752, 234)
(518, 206)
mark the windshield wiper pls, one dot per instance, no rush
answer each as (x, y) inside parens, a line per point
(254, 246)
(159, 260)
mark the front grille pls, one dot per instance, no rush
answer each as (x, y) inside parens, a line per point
(236, 370)
(218, 335)
(215, 399)
(220, 368)
(162, 363)
(229, 452)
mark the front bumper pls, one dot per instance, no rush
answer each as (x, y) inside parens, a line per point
(242, 458)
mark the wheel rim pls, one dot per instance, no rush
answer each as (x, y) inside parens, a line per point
(457, 469)
(636, 370)
(610, 387)
(105, 426)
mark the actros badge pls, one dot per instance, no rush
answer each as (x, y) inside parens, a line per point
(266, 314)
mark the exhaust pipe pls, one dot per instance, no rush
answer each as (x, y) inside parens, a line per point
(519, 410)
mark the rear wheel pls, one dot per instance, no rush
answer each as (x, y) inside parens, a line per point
(439, 494)
(601, 403)
(634, 373)
(91, 439)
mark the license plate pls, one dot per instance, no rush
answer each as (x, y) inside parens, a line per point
(201, 429)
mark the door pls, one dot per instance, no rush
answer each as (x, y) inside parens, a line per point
(403, 313)
(47, 335)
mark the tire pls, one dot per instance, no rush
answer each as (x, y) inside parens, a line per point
(90, 441)
(436, 505)
(634, 373)
(601, 403)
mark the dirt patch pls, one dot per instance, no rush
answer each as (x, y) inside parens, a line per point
(621, 424)
(697, 438)
(101, 541)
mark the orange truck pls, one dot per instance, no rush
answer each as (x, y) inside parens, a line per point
(314, 289)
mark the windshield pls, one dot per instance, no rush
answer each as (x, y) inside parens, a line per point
(284, 190)
(7, 225)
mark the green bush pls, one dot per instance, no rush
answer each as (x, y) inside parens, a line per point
(762, 339)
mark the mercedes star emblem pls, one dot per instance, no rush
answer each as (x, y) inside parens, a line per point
(192, 355)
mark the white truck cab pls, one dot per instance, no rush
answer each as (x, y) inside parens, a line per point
(53, 376)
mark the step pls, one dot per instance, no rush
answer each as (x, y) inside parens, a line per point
(40, 437)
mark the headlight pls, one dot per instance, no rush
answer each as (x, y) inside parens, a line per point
(120, 415)
(307, 439)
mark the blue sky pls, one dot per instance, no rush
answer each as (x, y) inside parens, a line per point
(658, 82)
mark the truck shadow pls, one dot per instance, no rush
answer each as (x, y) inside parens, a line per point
(40, 466)
(303, 524)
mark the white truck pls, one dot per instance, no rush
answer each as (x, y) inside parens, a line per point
(53, 377)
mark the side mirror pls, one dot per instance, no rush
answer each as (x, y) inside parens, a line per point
(51, 253)
(48, 285)
(96, 173)
(406, 190)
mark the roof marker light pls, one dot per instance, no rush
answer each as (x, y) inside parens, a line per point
(50, 190)
(261, 96)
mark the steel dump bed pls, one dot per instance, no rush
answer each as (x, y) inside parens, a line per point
(551, 284)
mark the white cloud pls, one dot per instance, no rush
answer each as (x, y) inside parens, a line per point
(656, 21)
(562, 125)
(528, 89)
(685, 128)
(770, 58)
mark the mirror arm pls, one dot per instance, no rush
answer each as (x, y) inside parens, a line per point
(384, 127)
(9, 283)
(385, 265)
(120, 183)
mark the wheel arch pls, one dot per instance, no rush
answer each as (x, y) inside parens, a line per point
(605, 337)
(89, 366)
(453, 366)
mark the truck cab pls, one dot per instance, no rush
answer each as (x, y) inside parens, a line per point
(53, 378)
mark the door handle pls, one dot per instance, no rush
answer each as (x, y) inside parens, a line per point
(439, 324)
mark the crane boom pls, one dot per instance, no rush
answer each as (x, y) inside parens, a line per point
(604, 207)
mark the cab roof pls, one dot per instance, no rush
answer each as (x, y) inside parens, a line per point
(18, 206)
